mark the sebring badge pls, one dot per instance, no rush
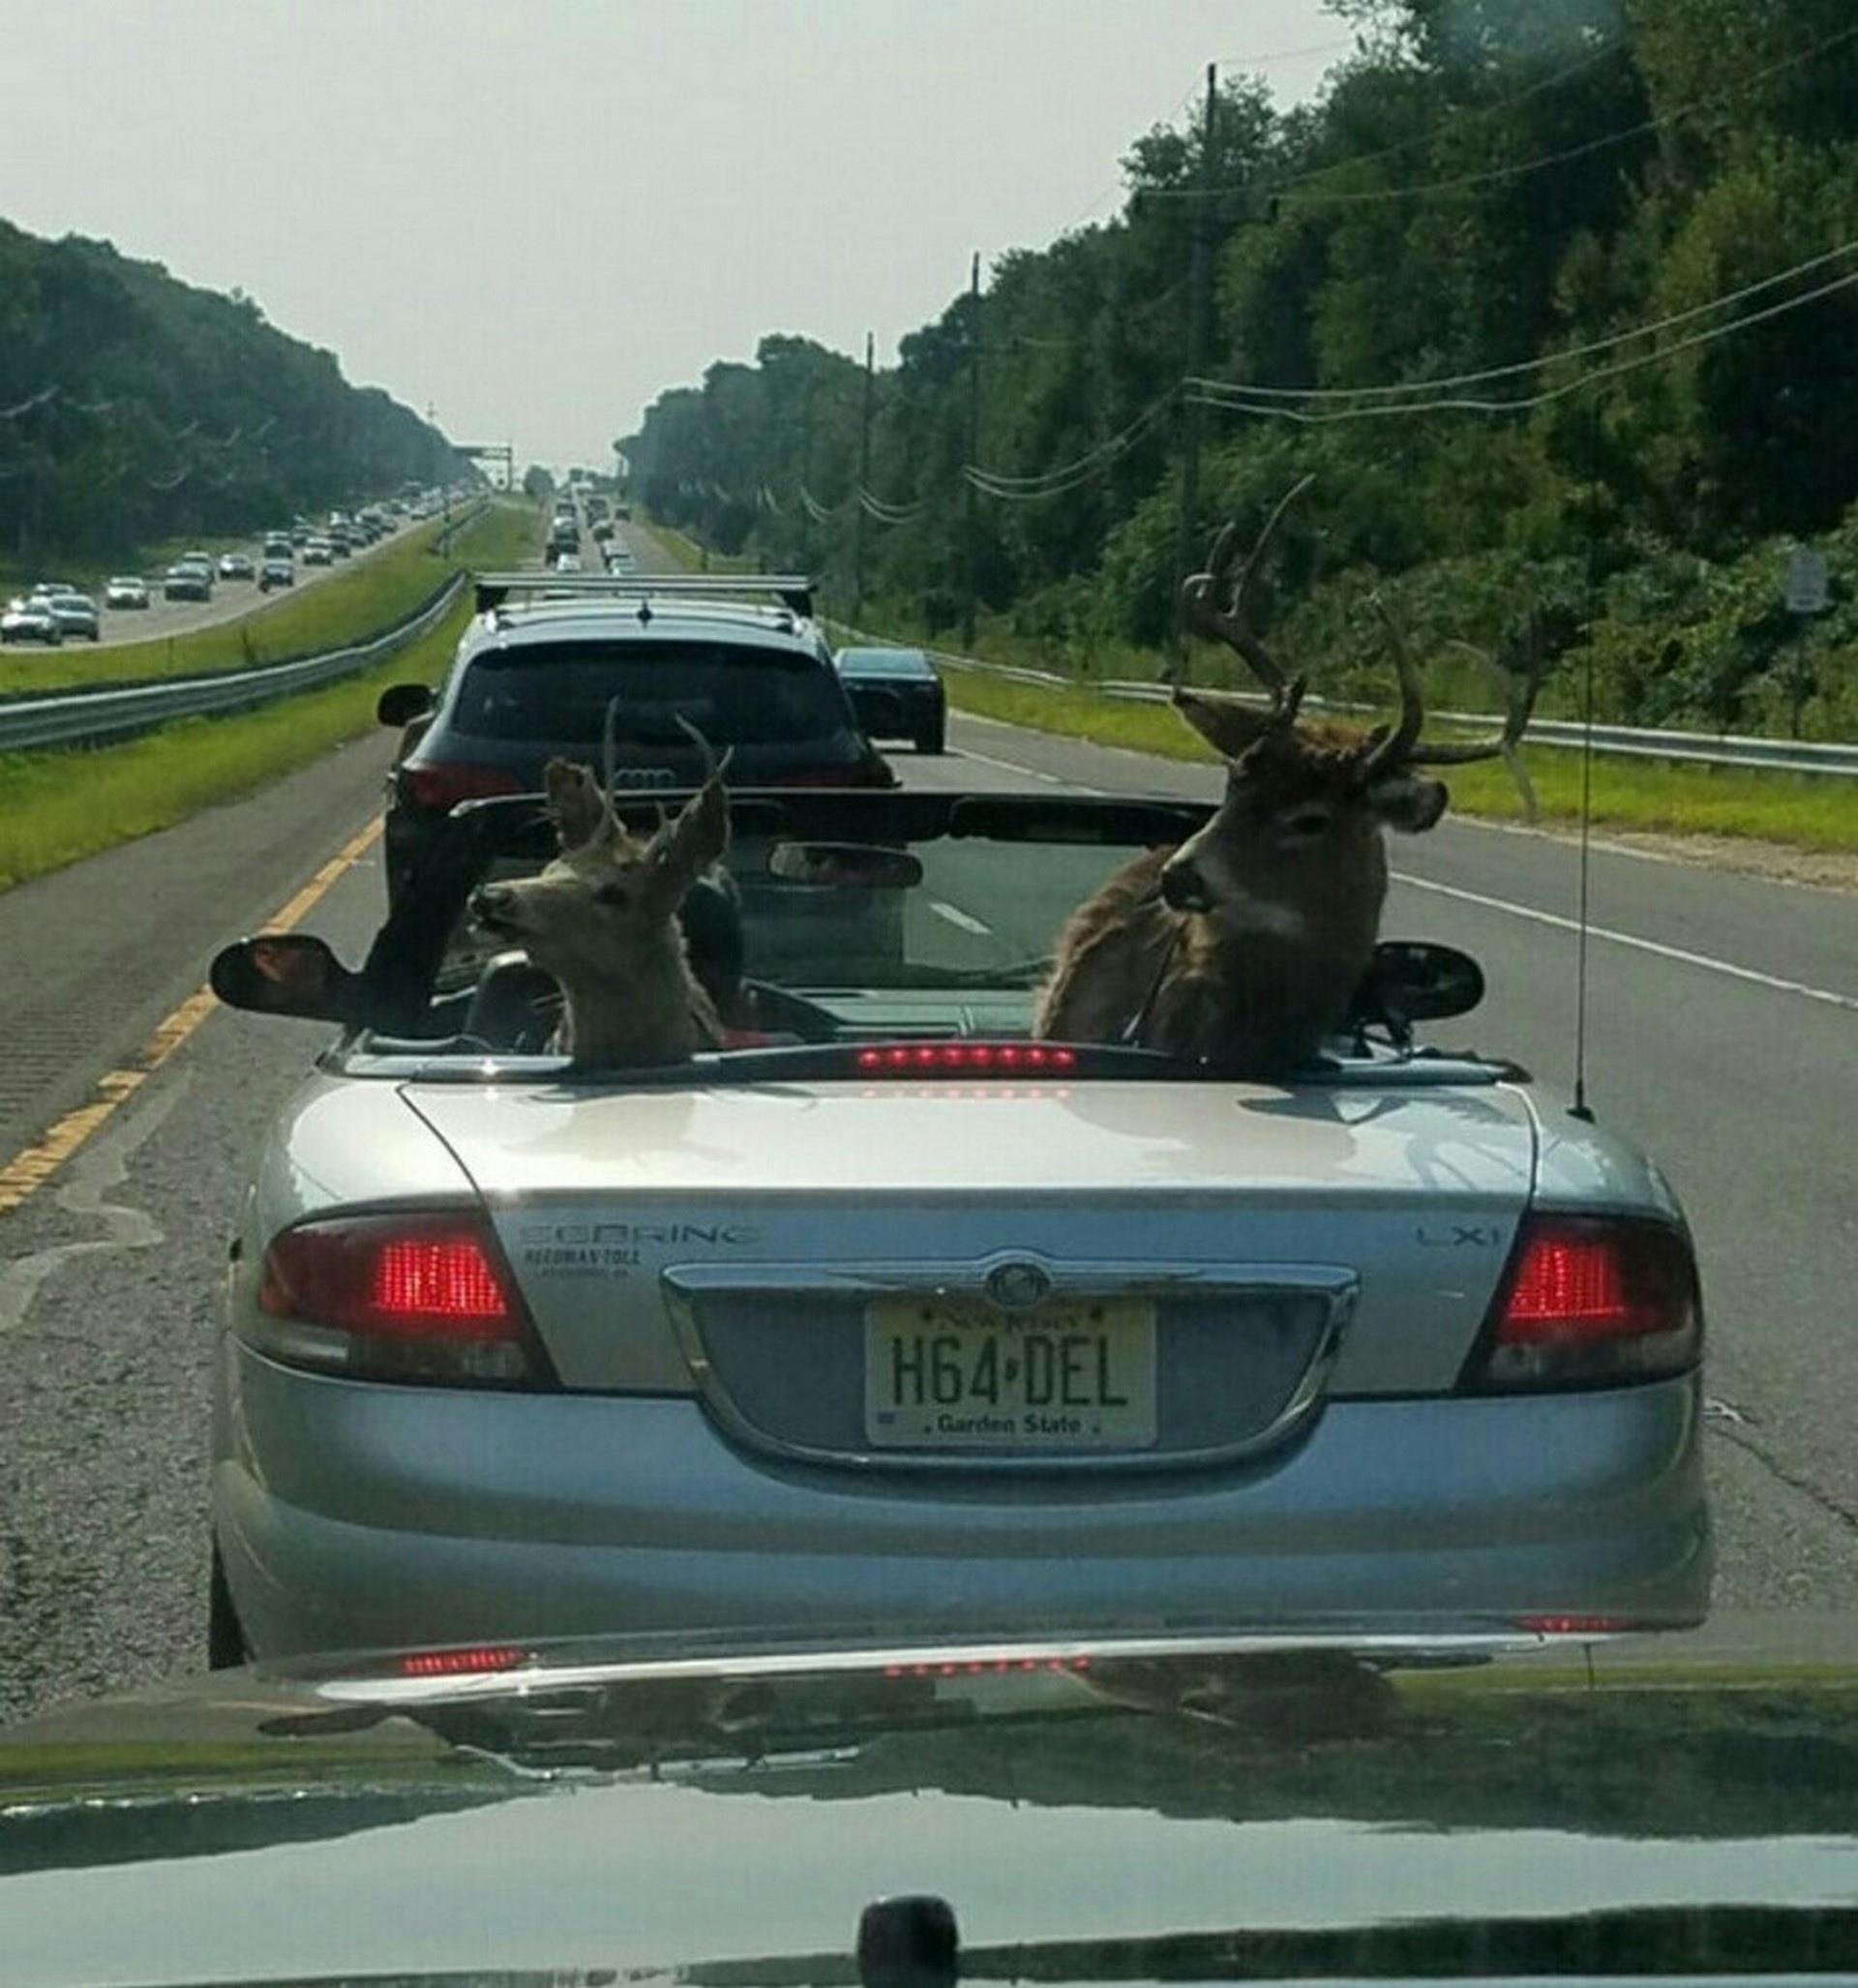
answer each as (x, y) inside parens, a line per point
(1015, 1287)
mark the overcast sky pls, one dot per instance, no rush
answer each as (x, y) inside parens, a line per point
(537, 214)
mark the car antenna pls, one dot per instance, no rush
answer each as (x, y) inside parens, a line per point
(1580, 1108)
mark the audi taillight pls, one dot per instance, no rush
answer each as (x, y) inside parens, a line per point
(394, 1297)
(1592, 1300)
(444, 784)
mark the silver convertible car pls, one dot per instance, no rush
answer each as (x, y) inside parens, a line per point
(887, 1313)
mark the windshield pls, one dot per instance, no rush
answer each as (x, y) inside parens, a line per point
(883, 662)
(840, 920)
(730, 692)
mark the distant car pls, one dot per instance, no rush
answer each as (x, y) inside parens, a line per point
(236, 566)
(317, 552)
(43, 589)
(125, 590)
(896, 693)
(276, 573)
(278, 546)
(75, 615)
(196, 557)
(603, 530)
(299, 536)
(187, 582)
(567, 562)
(30, 620)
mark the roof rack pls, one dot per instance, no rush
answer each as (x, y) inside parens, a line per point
(793, 591)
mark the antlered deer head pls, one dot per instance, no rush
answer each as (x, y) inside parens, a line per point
(602, 918)
(1244, 947)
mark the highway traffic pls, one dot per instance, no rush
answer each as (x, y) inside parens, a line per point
(1721, 1018)
(232, 599)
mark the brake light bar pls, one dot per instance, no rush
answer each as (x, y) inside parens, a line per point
(1593, 1301)
(479, 1662)
(906, 1060)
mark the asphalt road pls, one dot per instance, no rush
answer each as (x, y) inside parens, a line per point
(1723, 1016)
(232, 600)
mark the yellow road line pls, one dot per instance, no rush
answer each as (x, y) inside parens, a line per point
(28, 1170)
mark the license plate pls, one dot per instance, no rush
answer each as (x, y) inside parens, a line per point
(947, 1373)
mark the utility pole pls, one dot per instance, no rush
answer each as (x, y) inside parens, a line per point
(973, 454)
(1199, 303)
(862, 521)
(806, 478)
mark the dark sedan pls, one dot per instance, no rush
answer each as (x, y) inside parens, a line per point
(896, 693)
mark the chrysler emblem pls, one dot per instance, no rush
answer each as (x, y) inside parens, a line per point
(1018, 1286)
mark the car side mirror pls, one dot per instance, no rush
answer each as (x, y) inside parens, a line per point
(284, 973)
(400, 704)
(1418, 980)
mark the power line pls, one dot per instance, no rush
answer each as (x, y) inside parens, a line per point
(1317, 417)
(1580, 351)
(1494, 175)
(996, 484)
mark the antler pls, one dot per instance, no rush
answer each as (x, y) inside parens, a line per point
(1401, 746)
(713, 769)
(1232, 624)
(1519, 707)
(1397, 747)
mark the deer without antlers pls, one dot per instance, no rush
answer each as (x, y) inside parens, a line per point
(1243, 948)
(603, 920)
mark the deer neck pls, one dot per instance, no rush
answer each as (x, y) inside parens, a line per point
(658, 1014)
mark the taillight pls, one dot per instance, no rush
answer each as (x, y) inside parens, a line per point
(393, 1297)
(445, 785)
(1592, 1300)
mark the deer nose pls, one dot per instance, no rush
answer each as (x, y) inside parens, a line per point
(1181, 888)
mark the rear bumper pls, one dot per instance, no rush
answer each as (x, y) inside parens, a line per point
(352, 1516)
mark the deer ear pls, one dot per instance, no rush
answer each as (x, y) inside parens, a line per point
(1408, 803)
(687, 847)
(576, 801)
(1227, 725)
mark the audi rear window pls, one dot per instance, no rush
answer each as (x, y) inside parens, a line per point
(732, 694)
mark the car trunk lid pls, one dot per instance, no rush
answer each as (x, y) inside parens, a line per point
(905, 1270)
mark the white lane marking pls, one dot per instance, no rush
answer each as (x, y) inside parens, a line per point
(968, 752)
(955, 916)
(1638, 945)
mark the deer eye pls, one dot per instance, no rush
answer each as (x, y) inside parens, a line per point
(1307, 823)
(617, 895)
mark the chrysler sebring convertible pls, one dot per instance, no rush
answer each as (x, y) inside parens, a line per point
(886, 1313)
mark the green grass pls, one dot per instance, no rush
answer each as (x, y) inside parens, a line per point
(1792, 808)
(684, 550)
(370, 592)
(59, 807)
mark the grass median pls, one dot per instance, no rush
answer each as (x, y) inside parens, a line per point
(373, 591)
(1801, 810)
(58, 808)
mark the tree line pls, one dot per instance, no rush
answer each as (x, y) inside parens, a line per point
(1552, 300)
(134, 407)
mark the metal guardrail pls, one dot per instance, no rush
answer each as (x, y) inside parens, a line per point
(1632, 741)
(93, 717)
